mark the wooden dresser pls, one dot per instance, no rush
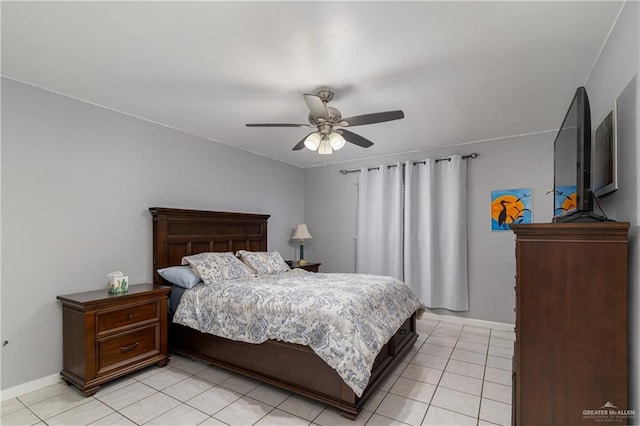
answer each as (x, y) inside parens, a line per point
(106, 335)
(570, 354)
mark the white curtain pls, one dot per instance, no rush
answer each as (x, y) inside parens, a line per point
(435, 232)
(379, 221)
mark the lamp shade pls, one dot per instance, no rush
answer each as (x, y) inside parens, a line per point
(337, 141)
(312, 141)
(325, 146)
(301, 233)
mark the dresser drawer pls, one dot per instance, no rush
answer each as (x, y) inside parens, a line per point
(128, 347)
(126, 316)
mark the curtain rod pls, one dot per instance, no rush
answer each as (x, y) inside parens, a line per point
(464, 157)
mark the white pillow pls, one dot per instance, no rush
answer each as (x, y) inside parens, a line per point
(182, 276)
(216, 267)
(262, 262)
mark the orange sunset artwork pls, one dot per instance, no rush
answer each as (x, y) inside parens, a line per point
(510, 206)
(565, 199)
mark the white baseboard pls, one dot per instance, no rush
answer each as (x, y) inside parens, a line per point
(14, 391)
(468, 321)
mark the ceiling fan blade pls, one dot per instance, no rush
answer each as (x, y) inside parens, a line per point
(316, 106)
(277, 125)
(376, 117)
(355, 139)
(300, 144)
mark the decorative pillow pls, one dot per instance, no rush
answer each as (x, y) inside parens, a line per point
(182, 276)
(263, 262)
(216, 267)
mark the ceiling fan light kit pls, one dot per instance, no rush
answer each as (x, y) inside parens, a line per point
(324, 144)
(325, 147)
(328, 139)
(312, 141)
(337, 141)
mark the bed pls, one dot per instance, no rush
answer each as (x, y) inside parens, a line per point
(297, 368)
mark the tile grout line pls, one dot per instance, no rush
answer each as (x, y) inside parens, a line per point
(43, 420)
(209, 416)
(110, 414)
(477, 417)
(443, 370)
(214, 385)
(483, 379)
(484, 373)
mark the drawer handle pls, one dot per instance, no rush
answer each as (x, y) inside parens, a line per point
(130, 316)
(403, 331)
(129, 348)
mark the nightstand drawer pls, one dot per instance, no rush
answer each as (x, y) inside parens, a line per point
(132, 346)
(127, 316)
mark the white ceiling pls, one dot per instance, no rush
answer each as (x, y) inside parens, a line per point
(460, 71)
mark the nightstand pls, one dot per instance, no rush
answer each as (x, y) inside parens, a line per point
(106, 336)
(310, 266)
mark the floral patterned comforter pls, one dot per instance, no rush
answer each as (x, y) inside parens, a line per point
(344, 318)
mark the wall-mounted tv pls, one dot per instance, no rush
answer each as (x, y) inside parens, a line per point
(573, 199)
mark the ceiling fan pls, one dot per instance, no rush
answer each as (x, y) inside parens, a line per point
(329, 134)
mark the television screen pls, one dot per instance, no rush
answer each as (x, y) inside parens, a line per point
(572, 160)
(565, 162)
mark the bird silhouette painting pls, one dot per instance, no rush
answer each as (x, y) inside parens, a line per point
(565, 199)
(510, 206)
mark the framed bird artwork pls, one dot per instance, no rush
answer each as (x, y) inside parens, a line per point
(510, 206)
(564, 199)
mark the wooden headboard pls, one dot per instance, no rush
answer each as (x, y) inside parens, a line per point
(178, 233)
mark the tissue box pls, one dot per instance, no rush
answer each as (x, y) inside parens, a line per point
(118, 284)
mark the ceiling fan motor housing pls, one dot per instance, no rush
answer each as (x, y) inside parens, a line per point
(334, 117)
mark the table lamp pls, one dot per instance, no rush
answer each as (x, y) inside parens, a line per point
(301, 233)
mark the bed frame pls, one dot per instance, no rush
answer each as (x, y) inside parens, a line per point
(178, 233)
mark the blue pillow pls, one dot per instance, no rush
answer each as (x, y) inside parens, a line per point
(182, 276)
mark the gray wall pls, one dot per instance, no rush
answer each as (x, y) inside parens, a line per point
(77, 182)
(615, 77)
(520, 162)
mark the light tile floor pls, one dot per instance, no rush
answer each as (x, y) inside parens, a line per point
(455, 375)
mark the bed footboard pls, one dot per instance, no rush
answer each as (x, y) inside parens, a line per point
(292, 367)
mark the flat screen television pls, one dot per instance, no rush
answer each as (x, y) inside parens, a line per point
(573, 200)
